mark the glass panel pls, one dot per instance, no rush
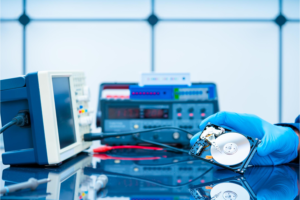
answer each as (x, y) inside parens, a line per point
(68, 188)
(217, 9)
(11, 50)
(106, 52)
(10, 9)
(88, 9)
(241, 58)
(290, 9)
(64, 111)
(291, 72)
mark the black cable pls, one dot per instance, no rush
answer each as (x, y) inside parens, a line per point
(166, 164)
(6, 126)
(162, 145)
(153, 182)
(21, 119)
(100, 136)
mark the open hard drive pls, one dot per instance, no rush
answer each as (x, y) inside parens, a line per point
(225, 148)
(234, 188)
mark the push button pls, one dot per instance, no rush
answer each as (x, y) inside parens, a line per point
(176, 135)
(85, 121)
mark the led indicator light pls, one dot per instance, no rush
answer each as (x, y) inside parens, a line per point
(179, 114)
(191, 114)
(82, 111)
(154, 93)
(202, 114)
(133, 93)
(80, 106)
(85, 110)
(178, 181)
(79, 111)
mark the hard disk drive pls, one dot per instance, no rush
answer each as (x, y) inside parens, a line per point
(234, 188)
(225, 148)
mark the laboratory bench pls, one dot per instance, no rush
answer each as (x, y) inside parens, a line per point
(136, 174)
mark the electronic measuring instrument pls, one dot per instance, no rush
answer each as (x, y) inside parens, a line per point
(57, 105)
(68, 181)
(130, 107)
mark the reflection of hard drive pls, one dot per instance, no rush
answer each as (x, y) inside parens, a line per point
(235, 188)
(225, 148)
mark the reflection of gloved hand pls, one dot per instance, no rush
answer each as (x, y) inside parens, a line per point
(279, 144)
(267, 183)
(274, 183)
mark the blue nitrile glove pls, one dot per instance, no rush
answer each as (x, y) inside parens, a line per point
(279, 144)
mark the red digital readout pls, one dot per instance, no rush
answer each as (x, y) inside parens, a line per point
(123, 113)
(136, 113)
(156, 113)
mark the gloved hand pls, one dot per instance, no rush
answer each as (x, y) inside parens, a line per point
(279, 144)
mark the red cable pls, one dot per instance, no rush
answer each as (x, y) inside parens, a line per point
(136, 147)
(103, 149)
(107, 157)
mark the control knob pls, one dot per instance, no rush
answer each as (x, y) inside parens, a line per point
(85, 94)
(87, 120)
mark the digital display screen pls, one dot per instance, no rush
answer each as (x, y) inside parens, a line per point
(137, 113)
(64, 111)
(156, 113)
(123, 113)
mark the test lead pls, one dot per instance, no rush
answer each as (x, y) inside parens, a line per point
(21, 119)
(103, 149)
(32, 183)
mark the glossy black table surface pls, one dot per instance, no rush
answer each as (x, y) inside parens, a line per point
(153, 175)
